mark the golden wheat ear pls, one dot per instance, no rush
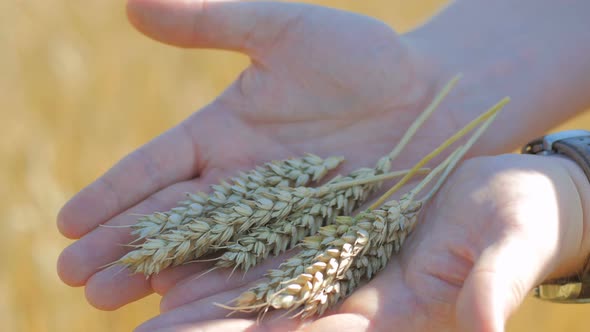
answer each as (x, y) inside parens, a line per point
(340, 196)
(332, 263)
(182, 234)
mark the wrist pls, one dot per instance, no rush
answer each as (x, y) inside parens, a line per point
(511, 58)
(575, 248)
(570, 150)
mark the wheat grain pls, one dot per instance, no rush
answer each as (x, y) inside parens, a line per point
(295, 172)
(201, 236)
(251, 248)
(170, 236)
(312, 278)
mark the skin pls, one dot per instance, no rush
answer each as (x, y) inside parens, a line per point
(498, 227)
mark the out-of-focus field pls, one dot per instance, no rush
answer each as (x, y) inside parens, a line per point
(79, 88)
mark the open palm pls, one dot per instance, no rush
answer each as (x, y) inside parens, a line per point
(475, 254)
(310, 88)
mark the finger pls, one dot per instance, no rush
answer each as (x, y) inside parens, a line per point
(340, 322)
(197, 311)
(235, 325)
(196, 286)
(234, 25)
(506, 271)
(497, 285)
(204, 315)
(269, 324)
(81, 262)
(167, 279)
(169, 158)
(115, 287)
(105, 245)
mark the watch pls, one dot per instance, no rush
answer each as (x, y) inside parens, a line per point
(574, 144)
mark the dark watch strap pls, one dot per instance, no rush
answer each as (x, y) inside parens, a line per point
(575, 144)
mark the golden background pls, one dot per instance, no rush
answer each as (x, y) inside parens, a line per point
(79, 89)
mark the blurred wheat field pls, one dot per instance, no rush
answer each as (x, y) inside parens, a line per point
(79, 89)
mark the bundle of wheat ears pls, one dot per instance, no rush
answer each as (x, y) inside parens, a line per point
(274, 208)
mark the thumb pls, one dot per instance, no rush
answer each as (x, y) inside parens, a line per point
(535, 232)
(222, 24)
(499, 283)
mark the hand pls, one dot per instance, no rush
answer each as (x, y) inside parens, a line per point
(311, 87)
(498, 227)
(321, 81)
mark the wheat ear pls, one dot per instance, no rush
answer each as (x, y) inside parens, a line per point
(331, 199)
(294, 172)
(238, 210)
(312, 278)
(251, 248)
(202, 236)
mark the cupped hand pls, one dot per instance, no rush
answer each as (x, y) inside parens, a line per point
(321, 81)
(499, 226)
(311, 87)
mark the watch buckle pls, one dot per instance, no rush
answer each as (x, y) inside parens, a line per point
(551, 139)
